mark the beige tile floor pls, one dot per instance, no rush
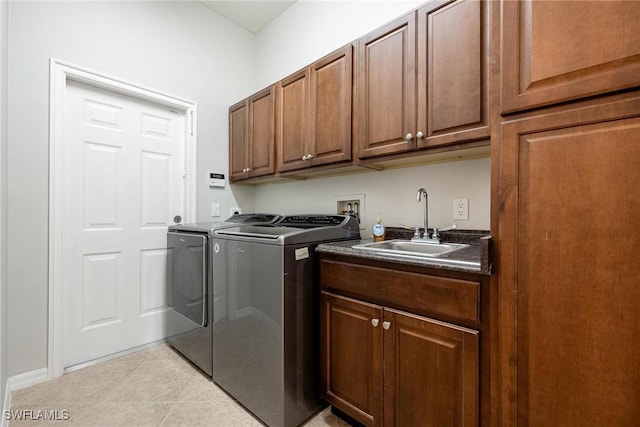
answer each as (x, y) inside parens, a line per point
(152, 387)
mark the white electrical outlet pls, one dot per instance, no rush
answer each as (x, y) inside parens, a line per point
(461, 209)
(215, 210)
(235, 211)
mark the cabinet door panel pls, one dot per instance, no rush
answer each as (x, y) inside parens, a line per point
(452, 77)
(331, 87)
(431, 373)
(554, 51)
(569, 271)
(352, 362)
(386, 89)
(293, 121)
(262, 132)
(238, 140)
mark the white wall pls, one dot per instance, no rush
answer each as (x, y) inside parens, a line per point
(311, 29)
(307, 31)
(3, 200)
(182, 48)
(392, 194)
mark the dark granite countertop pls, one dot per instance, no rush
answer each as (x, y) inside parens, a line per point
(473, 259)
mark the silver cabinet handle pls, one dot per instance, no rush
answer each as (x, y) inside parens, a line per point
(375, 322)
(386, 325)
(248, 169)
(309, 156)
(244, 170)
(409, 137)
(304, 157)
(419, 135)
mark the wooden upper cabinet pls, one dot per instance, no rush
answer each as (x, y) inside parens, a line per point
(252, 136)
(556, 51)
(385, 85)
(262, 132)
(331, 110)
(293, 121)
(238, 140)
(314, 113)
(453, 51)
(422, 81)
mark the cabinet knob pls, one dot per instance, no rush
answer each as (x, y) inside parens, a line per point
(304, 157)
(419, 135)
(375, 322)
(309, 156)
(248, 169)
(386, 325)
(244, 170)
(408, 137)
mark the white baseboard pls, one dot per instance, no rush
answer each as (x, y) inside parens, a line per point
(18, 382)
(27, 379)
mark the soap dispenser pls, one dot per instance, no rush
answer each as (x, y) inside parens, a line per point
(378, 230)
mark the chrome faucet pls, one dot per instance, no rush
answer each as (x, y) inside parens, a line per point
(435, 238)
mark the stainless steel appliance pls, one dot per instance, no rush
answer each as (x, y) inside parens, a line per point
(189, 286)
(266, 314)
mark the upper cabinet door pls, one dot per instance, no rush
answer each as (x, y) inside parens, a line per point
(238, 140)
(293, 121)
(262, 133)
(385, 84)
(556, 51)
(453, 47)
(331, 87)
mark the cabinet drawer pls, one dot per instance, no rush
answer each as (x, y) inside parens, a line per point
(421, 293)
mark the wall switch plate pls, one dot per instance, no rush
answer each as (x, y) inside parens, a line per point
(215, 210)
(461, 209)
(235, 211)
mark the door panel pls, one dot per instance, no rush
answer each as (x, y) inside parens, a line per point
(569, 274)
(152, 298)
(155, 176)
(331, 87)
(293, 121)
(262, 132)
(102, 193)
(554, 51)
(239, 140)
(352, 348)
(100, 287)
(431, 373)
(453, 102)
(123, 163)
(386, 89)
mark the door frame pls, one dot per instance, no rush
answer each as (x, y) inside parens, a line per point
(60, 73)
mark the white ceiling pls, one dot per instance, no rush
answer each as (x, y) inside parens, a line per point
(252, 15)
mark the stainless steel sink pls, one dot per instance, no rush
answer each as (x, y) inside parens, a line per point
(411, 248)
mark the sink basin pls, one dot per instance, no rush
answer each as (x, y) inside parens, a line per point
(411, 248)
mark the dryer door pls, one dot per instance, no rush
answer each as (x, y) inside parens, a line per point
(187, 275)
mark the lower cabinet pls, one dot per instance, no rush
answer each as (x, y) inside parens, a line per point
(383, 366)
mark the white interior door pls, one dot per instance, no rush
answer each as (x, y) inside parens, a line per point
(123, 183)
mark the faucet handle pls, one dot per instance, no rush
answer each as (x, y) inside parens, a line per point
(435, 234)
(416, 233)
